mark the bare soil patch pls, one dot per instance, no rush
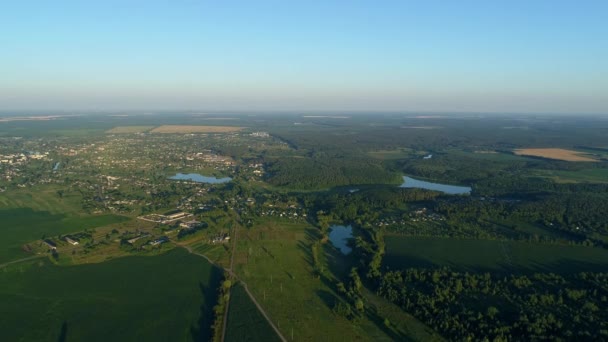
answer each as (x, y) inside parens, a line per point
(195, 129)
(554, 153)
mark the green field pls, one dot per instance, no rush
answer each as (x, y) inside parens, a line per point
(43, 198)
(27, 216)
(585, 175)
(164, 298)
(391, 154)
(24, 225)
(275, 260)
(490, 255)
(245, 322)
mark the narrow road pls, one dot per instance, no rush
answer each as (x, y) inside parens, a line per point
(234, 276)
(263, 312)
(21, 260)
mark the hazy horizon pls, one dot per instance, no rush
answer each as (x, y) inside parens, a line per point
(545, 57)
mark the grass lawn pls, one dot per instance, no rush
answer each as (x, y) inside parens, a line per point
(490, 255)
(163, 298)
(245, 322)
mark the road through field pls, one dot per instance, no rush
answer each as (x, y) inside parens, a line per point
(234, 276)
(21, 260)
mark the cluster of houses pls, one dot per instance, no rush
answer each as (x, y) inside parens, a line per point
(166, 218)
(192, 224)
(260, 134)
(220, 238)
(292, 211)
(418, 215)
(20, 158)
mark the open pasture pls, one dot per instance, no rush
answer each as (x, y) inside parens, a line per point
(555, 153)
(491, 255)
(195, 129)
(164, 298)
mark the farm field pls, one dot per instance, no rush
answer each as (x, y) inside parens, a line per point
(42, 199)
(129, 129)
(391, 154)
(24, 225)
(490, 255)
(164, 298)
(195, 129)
(275, 261)
(555, 153)
(585, 175)
(245, 322)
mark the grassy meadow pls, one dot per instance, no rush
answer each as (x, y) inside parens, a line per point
(492, 255)
(164, 298)
(275, 260)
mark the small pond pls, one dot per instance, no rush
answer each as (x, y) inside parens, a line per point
(448, 189)
(195, 177)
(56, 167)
(339, 236)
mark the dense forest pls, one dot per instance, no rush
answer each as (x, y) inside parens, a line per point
(466, 306)
(324, 171)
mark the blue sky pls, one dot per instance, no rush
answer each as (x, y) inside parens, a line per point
(486, 56)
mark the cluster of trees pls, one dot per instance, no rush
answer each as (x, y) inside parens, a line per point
(576, 216)
(489, 306)
(355, 305)
(464, 306)
(365, 205)
(327, 171)
(220, 308)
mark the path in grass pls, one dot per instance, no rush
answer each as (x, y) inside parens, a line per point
(246, 322)
(21, 260)
(253, 300)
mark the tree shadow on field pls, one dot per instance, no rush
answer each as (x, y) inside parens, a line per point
(328, 298)
(202, 331)
(372, 314)
(63, 332)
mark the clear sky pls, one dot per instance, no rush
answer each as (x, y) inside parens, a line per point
(491, 55)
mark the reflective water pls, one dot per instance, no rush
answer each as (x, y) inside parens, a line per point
(409, 182)
(339, 236)
(195, 177)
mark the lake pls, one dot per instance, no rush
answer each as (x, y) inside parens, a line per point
(195, 177)
(339, 236)
(448, 189)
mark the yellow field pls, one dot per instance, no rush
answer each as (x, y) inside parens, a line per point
(129, 129)
(195, 129)
(554, 153)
